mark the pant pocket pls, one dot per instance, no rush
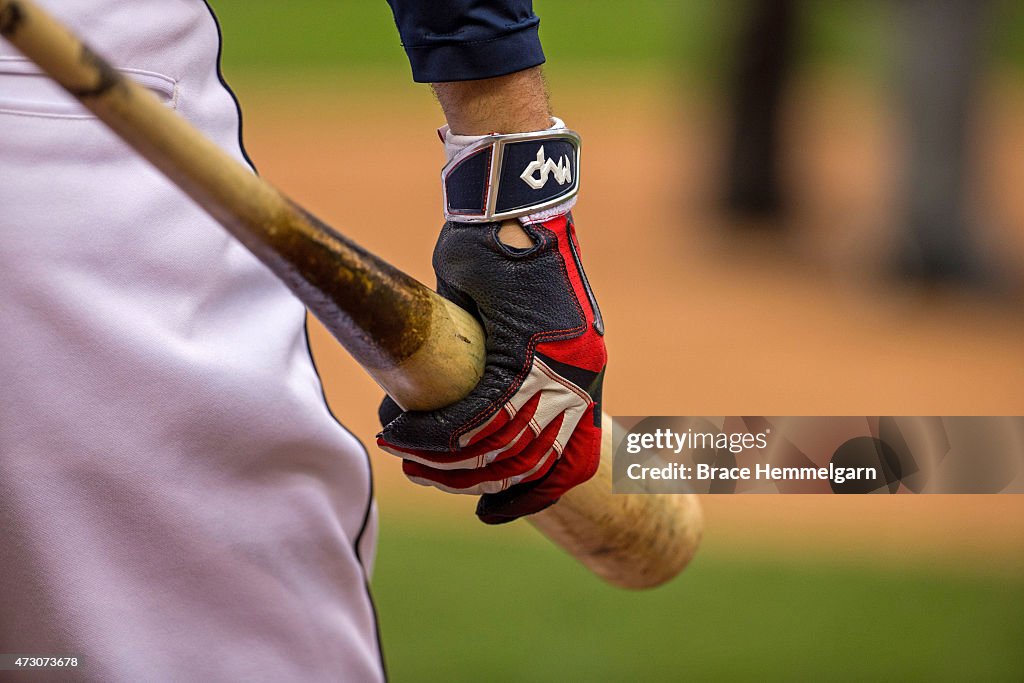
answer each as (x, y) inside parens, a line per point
(26, 91)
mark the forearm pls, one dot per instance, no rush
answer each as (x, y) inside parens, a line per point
(513, 103)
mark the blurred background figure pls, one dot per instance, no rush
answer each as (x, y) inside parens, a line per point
(764, 63)
(938, 63)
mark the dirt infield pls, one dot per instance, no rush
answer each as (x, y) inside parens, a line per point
(701, 324)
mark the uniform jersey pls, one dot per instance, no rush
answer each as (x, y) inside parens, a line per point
(176, 501)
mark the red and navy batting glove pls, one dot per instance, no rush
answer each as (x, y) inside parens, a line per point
(531, 429)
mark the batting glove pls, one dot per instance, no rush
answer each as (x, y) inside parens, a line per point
(531, 429)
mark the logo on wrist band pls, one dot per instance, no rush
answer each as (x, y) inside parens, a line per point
(507, 176)
(542, 167)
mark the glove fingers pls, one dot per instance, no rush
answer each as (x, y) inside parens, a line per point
(552, 413)
(500, 434)
(578, 463)
(532, 462)
(431, 434)
(479, 482)
(491, 435)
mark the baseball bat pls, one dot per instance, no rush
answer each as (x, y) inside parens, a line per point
(421, 349)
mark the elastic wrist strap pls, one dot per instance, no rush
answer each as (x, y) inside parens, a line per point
(507, 176)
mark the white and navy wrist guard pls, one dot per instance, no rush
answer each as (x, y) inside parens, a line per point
(511, 176)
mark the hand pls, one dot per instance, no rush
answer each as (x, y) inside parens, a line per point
(530, 430)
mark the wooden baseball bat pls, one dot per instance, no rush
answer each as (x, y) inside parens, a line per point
(421, 349)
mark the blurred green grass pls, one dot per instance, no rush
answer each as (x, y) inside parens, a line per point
(504, 606)
(347, 36)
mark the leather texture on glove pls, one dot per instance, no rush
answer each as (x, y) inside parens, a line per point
(530, 430)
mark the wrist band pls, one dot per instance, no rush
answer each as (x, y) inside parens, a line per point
(507, 176)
